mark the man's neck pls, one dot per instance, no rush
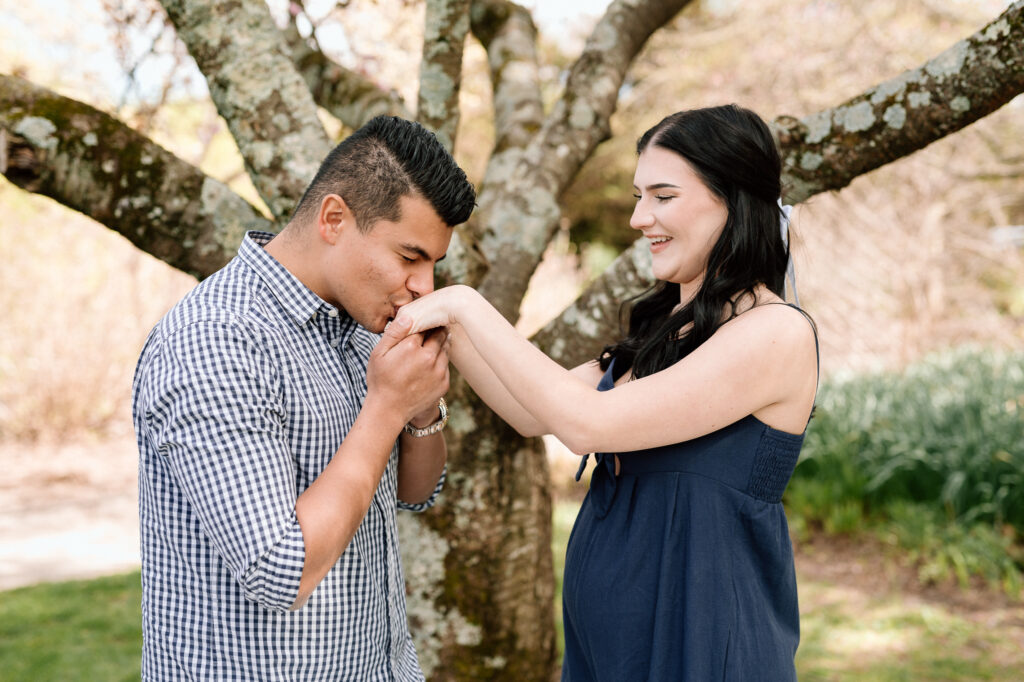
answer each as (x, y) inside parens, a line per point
(291, 250)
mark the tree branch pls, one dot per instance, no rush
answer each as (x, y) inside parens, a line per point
(507, 32)
(351, 97)
(444, 37)
(93, 163)
(519, 200)
(253, 82)
(580, 120)
(827, 150)
(971, 79)
(586, 326)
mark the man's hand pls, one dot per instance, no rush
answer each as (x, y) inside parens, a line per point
(406, 376)
(409, 372)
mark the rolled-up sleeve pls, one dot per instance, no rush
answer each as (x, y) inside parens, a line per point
(215, 413)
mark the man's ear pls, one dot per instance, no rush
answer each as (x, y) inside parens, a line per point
(333, 218)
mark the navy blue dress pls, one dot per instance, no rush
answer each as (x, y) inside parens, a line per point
(680, 568)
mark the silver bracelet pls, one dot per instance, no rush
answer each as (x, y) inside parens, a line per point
(432, 428)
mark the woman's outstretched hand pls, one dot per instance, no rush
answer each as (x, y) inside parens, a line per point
(437, 309)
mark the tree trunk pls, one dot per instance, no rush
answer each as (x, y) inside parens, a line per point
(487, 614)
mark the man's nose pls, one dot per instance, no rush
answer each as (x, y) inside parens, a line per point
(421, 282)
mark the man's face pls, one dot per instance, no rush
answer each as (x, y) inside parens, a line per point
(371, 275)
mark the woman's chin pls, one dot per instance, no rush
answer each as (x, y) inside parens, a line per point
(661, 274)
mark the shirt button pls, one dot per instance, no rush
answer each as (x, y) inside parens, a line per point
(333, 312)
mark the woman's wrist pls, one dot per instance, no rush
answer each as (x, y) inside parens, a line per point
(461, 308)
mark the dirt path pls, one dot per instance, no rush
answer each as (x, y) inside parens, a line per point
(67, 511)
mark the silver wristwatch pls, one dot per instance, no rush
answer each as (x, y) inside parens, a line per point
(432, 428)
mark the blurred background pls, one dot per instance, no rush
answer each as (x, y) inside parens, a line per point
(908, 506)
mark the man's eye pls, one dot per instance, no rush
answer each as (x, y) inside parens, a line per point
(407, 259)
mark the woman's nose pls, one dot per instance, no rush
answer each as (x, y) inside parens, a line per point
(641, 218)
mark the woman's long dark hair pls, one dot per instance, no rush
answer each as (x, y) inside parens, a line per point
(732, 151)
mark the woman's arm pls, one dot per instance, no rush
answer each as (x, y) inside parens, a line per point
(492, 391)
(761, 360)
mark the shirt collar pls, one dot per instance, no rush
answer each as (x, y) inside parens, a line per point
(298, 301)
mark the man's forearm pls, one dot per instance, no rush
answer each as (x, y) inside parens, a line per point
(420, 462)
(332, 507)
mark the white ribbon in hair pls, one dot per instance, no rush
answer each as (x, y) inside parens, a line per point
(784, 221)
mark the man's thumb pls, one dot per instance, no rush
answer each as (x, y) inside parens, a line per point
(395, 331)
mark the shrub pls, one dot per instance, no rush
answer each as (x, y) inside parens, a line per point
(931, 458)
(948, 431)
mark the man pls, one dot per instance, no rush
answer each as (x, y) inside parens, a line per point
(278, 432)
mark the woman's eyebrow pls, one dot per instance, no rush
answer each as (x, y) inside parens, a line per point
(659, 185)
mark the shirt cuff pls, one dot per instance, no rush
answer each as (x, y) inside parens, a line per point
(273, 581)
(423, 506)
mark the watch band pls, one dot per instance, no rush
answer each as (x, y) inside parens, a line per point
(432, 428)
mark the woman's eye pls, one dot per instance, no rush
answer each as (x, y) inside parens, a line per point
(663, 197)
(637, 197)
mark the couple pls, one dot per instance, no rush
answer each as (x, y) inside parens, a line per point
(277, 435)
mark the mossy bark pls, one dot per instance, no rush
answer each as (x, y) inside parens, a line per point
(492, 618)
(444, 37)
(93, 163)
(967, 82)
(257, 90)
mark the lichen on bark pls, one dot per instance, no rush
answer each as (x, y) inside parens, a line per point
(445, 29)
(967, 81)
(162, 204)
(257, 91)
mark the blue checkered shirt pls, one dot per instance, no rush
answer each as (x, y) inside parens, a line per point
(241, 396)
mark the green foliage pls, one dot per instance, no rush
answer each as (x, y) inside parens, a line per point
(943, 550)
(935, 454)
(81, 630)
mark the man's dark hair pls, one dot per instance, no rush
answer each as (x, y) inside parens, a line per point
(386, 159)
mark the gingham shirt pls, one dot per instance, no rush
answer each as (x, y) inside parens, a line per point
(241, 396)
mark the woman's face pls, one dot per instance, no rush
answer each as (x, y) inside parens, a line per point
(678, 215)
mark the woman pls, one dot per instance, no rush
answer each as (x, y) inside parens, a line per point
(679, 566)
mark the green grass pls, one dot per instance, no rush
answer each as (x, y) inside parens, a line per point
(83, 630)
(850, 636)
(563, 516)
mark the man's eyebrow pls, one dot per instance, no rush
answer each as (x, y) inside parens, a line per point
(660, 185)
(412, 248)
